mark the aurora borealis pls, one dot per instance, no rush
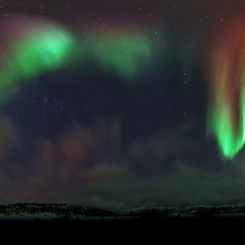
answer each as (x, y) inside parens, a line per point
(37, 48)
(122, 105)
(226, 118)
(122, 53)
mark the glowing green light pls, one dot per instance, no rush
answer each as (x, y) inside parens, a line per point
(229, 142)
(123, 54)
(35, 53)
(230, 139)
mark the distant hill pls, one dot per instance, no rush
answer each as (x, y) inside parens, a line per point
(79, 212)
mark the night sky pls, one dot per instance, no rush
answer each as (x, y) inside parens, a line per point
(122, 104)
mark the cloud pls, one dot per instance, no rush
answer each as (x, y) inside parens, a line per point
(89, 166)
(186, 186)
(58, 167)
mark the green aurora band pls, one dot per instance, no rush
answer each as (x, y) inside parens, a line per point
(41, 48)
(226, 114)
(124, 54)
(34, 53)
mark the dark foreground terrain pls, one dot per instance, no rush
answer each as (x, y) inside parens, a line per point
(81, 213)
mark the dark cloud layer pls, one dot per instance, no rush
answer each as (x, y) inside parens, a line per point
(88, 166)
